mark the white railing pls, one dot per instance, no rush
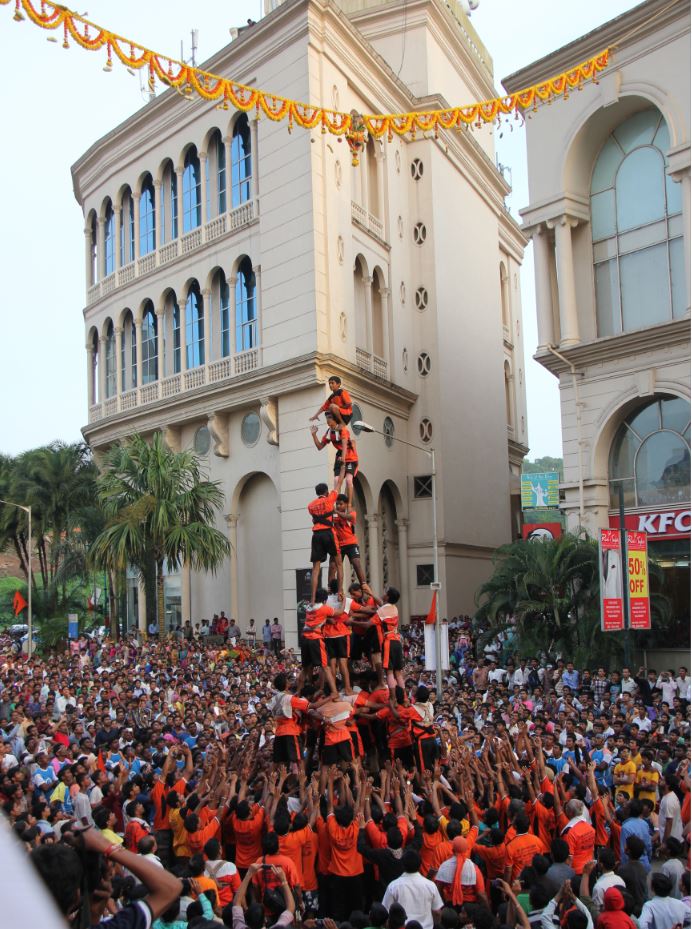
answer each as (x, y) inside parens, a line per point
(215, 228)
(93, 293)
(379, 368)
(126, 274)
(149, 392)
(235, 366)
(376, 226)
(146, 264)
(242, 215)
(366, 220)
(168, 252)
(363, 359)
(191, 241)
(359, 214)
(108, 284)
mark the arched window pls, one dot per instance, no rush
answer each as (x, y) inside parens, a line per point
(111, 371)
(176, 337)
(192, 191)
(377, 304)
(168, 221)
(95, 386)
(241, 161)
(93, 252)
(109, 240)
(245, 307)
(150, 361)
(359, 302)
(650, 455)
(637, 228)
(220, 175)
(221, 296)
(127, 228)
(128, 350)
(373, 204)
(147, 218)
(194, 327)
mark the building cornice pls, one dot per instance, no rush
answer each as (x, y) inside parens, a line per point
(676, 332)
(275, 380)
(574, 206)
(647, 18)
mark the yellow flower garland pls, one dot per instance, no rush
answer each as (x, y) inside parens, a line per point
(211, 87)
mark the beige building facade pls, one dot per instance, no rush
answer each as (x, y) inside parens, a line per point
(609, 217)
(232, 267)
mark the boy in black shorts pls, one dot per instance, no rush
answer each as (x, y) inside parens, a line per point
(338, 403)
(324, 544)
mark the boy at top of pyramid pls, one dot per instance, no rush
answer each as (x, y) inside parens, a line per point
(338, 403)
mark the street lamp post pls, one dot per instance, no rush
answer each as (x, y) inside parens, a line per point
(27, 510)
(435, 586)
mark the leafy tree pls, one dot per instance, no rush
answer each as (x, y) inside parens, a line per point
(157, 508)
(546, 463)
(547, 593)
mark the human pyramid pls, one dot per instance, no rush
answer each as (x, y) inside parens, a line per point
(343, 628)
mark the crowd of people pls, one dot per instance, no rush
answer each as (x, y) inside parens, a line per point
(192, 784)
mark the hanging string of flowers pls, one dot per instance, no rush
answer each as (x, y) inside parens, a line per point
(190, 80)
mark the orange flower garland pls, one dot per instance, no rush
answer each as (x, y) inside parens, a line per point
(211, 87)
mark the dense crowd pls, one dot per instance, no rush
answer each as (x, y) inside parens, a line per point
(193, 782)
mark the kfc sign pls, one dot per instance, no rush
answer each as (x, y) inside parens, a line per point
(668, 524)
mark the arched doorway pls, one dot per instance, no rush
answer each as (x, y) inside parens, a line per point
(259, 552)
(389, 537)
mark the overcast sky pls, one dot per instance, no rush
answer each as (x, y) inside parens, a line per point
(56, 103)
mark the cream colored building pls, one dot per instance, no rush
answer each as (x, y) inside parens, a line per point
(232, 266)
(609, 217)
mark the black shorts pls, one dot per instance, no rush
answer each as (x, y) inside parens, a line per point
(337, 646)
(341, 751)
(323, 545)
(427, 753)
(350, 551)
(365, 644)
(405, 754)
(313, 654)
(286, 749)
(351, 467)
(393, 655)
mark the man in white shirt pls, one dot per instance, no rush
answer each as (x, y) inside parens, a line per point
(628, 685)
(521, 675)
(683, 682)
(669, 814)
(662, 909)
(606, 859)
(668, 687)
(496, 675)
(419, 897)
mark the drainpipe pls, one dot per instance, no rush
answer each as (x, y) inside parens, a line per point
(580, 443)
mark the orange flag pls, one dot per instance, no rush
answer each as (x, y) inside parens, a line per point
(430, 618)
(18, 603)
(100, 763)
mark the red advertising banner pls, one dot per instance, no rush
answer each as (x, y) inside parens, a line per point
(612, 604)
(638, 580)
(658, 524)
(536, 531)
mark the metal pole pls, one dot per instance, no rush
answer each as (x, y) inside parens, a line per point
(30, 644)
(436, 581)
(625, 584)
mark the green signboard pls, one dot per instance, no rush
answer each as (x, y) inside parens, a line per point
(540, 490)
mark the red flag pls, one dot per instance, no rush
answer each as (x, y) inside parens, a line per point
(100, 763)
(18, 603)
(432, 612)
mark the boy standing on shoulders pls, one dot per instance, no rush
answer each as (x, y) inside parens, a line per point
(346, 461)
(324, 543)
(338, 403)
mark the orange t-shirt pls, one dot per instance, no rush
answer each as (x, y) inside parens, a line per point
(598, 818)
(431, 842)
(265, 877)
(580, 838)
(544, 823)
(336, 626)
(205, 883)
(494, 858)
(520, 852)
(248, 837)
(345, 860)
(335, 716)
(324, 846)
(158, 792)
(315, 621)
(285, 726)
(398, 730)
(322, 511)
(337, 437)
(340, 398)
(346, 528)
(291, 845)
(389, 620)
(309, 861)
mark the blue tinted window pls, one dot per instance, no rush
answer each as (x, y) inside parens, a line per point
(111, 384)
(109, 241)
(241, 161)
(221, 174)
(147, 219)
(225, 317)
(245, 308)
(149, 347)
(192, 192)
(194, 328)
(176, 338)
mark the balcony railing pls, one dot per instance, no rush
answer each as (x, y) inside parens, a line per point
(366, 220)
(227, 223)
(212, 373)
(372, 364)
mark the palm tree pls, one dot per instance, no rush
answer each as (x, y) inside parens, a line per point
(158, 509)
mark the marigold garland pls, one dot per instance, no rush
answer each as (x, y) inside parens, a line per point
(212, 87)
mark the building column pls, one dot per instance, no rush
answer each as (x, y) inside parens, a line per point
(160, 342)
(141, 608)
(254, 153)
(117, 263)
(185, 592)
(232, 523)
(569, 319)
(91, 386)
(379, 157)
(203, 186)
(179, 200)
(386, 301)
(138, 351)
(687, 240)
(183, 335)
(100, 249)
(158, 226)
(135, 207)
(544, 295)
(257, 271)
(367, 283)
(375, 572)
(209, 354)
(231, 281)
(402, 529)
(364, 186)
(227, 143)
(102, 369)
(118, 333)
(88, 264)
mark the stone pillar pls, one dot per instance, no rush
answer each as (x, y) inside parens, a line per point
(402, 529)
(183, 335)
(386, 300)
(138, 351)
(100, 250)
(185, 593)
(102, 369)
(91, 386)
(159, 237)
(257, 271)
(227, 143)
(135, 205)
(232, 523)
(203, 186)
(179, 199)
(209, 353)
(254, 157)
(88, 264)
(569, 320)
(364, 185)
(118, 333)
(141, 608)
(375, 572)
(544, 295)
(117, 257)
(687, 240)
(379, 156)
(367, 284)
(160, 360)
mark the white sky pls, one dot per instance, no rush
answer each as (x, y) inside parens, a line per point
(56, 103)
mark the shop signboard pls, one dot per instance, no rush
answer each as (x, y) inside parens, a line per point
(638, 580)
(658, 524)
(540, 490)
(610, 561)
(536, 532)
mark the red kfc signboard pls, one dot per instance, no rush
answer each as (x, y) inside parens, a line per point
(657, 524)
